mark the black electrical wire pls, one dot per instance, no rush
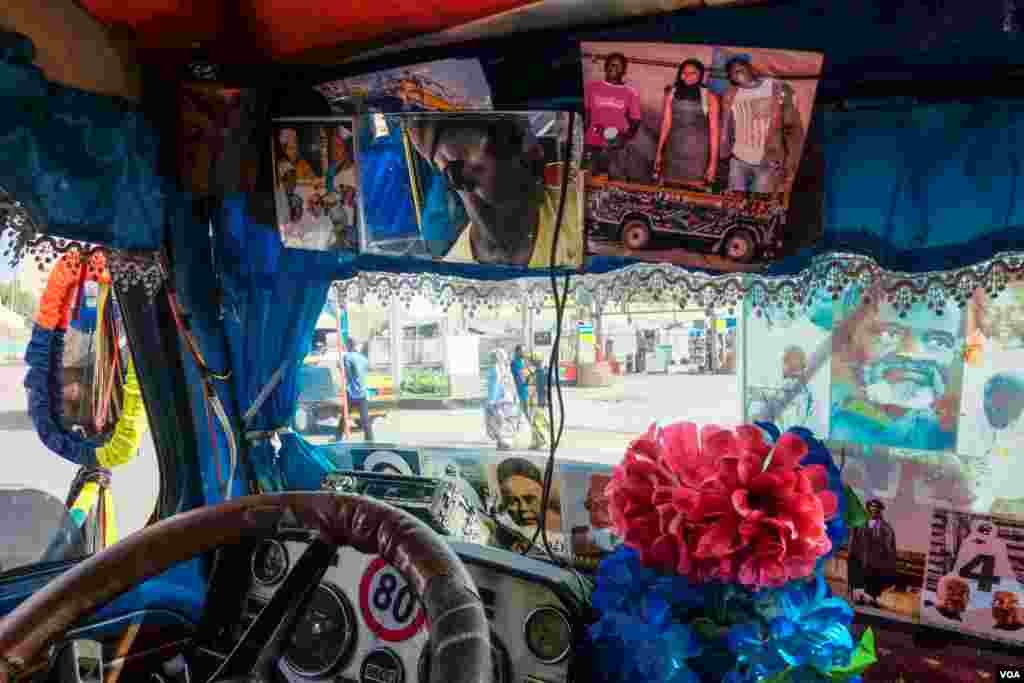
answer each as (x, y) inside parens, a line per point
(555, 437)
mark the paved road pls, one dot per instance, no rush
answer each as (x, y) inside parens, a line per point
(599, 424)
(29, 464)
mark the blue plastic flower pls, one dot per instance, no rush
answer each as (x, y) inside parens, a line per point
(801, 625)
(638, 635)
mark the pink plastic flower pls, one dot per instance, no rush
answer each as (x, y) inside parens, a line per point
(712, 503)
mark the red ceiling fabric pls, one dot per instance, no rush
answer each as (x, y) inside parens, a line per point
(281, 28)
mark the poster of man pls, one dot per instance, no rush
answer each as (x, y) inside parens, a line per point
(896, 374)
(519, 484)
(692, 150)
(585, 517)
(881, 567)
(316, 184)
(991, 425)
(788, 370)
(872, 557)
(975, 572)
(478, 188)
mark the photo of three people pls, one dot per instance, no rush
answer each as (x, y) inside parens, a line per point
(719, 126)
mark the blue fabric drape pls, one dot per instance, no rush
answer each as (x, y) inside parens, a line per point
(83, 164)
(43, 358)
(304, 465)
(273, 312)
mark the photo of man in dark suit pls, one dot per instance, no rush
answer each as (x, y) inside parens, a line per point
(872, 557)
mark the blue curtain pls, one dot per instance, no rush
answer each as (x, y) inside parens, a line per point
(303, 465)
(271, 308)
(84, 165)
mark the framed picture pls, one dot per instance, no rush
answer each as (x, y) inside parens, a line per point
(316, 183)
(692, 151)
(472, 187)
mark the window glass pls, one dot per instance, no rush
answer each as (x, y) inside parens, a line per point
(619, 369)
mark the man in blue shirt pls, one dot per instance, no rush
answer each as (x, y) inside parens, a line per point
(357, 367)
(520, 375)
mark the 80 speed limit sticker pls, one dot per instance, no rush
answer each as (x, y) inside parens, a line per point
(389, 604)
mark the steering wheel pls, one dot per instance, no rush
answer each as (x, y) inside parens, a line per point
(459, 632)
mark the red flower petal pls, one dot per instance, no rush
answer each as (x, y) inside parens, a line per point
(712, 505)
(636, 508)
(686, 500)
(829, 504)
(728, 473)
(741, 502)
(641, 468)
(662, 554)
(788, 451)
(669, 518)
(782, 525)
(750, 528)
(750, 438)
(720, 443)
(663, 494)
(684, 561)
(637, 489)
(758, 571)
(641, 537)
(780, 484)
(807, 514)
(798, 569)
(749, 467)
(680, 446)
(721, 539)
(818, 476)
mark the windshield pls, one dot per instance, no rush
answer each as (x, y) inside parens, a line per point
(460, 395)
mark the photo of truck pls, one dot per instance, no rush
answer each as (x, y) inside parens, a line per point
(741, 227)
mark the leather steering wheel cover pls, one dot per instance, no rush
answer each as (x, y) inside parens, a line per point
(459, 632)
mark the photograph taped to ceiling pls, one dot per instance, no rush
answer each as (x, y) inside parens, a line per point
(444, 85)
(692, 152)
(316, 183)
(462, 187)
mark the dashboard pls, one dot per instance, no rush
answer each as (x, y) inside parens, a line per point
(364, 624)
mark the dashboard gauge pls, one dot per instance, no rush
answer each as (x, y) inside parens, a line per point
(548, 634)
(324, 636)
(270, 562)
(499, 659)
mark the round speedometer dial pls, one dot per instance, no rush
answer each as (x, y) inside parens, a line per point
(270, 562)
(324, 636)
(548, 634)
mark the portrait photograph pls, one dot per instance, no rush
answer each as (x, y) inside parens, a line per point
(692, 151)
(517, 486)
(586, 520)
(473, 188)
(897, 374)
(316, 183)
(975, 569)
(881, 567)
